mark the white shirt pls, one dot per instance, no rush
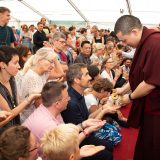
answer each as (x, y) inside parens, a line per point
(90, 100)
(31, 83)
(105, 74)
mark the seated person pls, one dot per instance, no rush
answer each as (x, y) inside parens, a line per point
(18, 143)
(99, 102)
(94, 73)
(55, 146)
(9, 66)
(48, 115)
(95, 98)
(76, 112)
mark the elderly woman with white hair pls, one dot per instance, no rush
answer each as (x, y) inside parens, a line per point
(37, 71)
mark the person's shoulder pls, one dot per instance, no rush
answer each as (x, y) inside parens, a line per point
(104, 72)
(88, 96)
(8, 27)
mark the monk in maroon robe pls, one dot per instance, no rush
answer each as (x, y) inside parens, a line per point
(144, 82)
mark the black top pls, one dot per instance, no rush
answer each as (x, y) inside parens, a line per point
(11, 100)
(81, 58)
(76, 111)
(38, 39)
(98, 40)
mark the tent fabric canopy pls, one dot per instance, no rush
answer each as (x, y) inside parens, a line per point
(91, 11)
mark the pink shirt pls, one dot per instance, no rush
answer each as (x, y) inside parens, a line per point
(41, 120)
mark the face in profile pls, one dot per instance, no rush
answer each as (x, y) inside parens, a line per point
(85, 79)
(47, 64)
(130, 39)
(13, 66)
(5, 17)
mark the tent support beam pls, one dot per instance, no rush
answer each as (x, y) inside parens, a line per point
(77, 10)
(33, 9)
(17, 20)
(129, 7)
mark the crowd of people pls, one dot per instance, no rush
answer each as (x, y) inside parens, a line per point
(62, 89)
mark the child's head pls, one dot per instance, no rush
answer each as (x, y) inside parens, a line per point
(103, 87)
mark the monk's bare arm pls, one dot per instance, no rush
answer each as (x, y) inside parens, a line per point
(142, 90)
(126, 88)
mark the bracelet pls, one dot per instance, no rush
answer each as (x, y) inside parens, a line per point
(85, 133)
(130, 98)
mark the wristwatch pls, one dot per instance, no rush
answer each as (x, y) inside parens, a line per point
(130, 98)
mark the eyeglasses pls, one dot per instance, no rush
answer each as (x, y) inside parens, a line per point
(62, 42)
(110, 62)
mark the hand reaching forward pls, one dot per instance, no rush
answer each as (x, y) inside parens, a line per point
(90, 150)
(4, 115)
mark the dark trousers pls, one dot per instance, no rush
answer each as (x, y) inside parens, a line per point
(106, 154)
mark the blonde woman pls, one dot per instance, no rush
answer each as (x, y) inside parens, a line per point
(37, 71)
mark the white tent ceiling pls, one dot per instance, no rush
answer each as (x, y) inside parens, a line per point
(94, 11)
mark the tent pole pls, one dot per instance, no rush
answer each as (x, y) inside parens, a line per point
(33, 9)
(129, 7)
(78, 11)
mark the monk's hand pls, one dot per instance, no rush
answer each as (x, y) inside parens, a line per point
(125, 100)
(117, 91)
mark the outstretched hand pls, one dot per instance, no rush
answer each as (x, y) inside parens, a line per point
(89, 150)
(4, 115)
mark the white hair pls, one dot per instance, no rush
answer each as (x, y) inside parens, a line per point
(40, 54)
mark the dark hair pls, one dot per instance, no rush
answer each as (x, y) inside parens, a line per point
(4, 9)
(126, 59)
(102, 84)
(7, 53)
(71, 28)
(93, 71)
(120, 46)
(126, 24)
(22, 52)
(39, 23)
(84, 42)
(74, 71)
(25, 27)
(66, 34)
(32, 25)
(83, 30)
(15, 143)
(51, 92)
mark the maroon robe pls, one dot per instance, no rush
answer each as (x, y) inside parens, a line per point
(145, 111)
